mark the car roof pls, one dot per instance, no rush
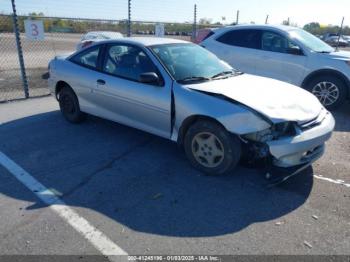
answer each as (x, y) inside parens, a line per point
(257, 26)
(100, 32)
(147, 41)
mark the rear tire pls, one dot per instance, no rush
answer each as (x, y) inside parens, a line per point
(330, 90)
(211, 149)
(69, 105)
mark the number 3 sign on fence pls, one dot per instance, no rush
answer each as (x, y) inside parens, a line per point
(34, 29)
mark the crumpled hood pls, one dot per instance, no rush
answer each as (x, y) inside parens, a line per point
(279, 101)
(339, 55)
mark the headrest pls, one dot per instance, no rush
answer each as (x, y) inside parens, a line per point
(128, 60)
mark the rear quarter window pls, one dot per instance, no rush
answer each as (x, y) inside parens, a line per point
(87, 58)
(248, 38)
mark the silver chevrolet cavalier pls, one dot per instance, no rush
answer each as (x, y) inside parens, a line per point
(182, 92)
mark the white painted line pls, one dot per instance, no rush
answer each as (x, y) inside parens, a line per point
(100, 241)
(334, 181)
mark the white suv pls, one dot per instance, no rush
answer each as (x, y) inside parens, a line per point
(285, 53)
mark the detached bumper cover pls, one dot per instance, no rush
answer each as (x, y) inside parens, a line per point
(305, 147)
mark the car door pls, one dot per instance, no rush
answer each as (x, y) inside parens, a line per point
(81, 75)
(238, 47)
(121, 97)
(280, 59)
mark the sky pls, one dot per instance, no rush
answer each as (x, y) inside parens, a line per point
(300, 12)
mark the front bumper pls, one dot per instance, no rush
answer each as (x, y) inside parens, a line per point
(307, 146)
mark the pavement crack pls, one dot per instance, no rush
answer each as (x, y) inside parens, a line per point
(106, 166)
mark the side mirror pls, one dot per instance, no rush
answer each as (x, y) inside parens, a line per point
(295, 51)
(149, 78)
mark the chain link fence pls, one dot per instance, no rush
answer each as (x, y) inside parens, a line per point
(173, 30)
(11, 84)
(61, 35)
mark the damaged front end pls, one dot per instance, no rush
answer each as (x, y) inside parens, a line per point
(286, 149)
(256, 147)
(289, 144)
(289, 141)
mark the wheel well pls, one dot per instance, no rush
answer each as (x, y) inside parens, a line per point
(190, 121)
(328, 72)
(59, 87)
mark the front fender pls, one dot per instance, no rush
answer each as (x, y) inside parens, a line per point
(236, 118)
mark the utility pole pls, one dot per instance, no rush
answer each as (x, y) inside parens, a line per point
(340, 32)
(237, 17)
(194, 29)
(129, 18)
(267, 19)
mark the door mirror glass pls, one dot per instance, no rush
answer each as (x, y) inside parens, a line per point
(294, 50)
(149, 78)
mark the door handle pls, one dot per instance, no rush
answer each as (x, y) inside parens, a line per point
(101, 82)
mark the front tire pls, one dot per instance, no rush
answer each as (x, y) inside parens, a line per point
(211, 149)
(330, 90)
(69, 105)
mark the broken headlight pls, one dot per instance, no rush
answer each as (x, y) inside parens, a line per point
(261, 136)
(274, 132)
(284, 129)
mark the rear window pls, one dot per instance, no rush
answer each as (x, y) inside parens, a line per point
(247, 38)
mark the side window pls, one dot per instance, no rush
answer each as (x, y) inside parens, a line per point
(243, 38)
(87, 58)
(274, 42)
(127, 62)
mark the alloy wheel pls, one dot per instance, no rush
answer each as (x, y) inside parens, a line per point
(326, 92)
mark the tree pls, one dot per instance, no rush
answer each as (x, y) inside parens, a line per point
(34, 15)
(313, 27)
(318, 29)
(205, 21)
(285, 22)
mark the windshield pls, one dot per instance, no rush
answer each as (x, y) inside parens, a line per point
(311, 41)
(189, 62)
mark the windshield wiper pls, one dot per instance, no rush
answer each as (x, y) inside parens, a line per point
(223, 74)
(226, 73)
(193, 79)
(324, 52)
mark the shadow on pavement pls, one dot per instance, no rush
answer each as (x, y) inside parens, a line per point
(342, 117)
(142, 181)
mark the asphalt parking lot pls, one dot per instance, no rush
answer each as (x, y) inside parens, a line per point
(139, 192)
